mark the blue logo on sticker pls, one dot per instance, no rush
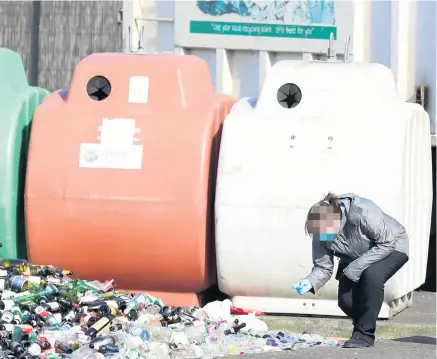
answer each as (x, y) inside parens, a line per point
(91, 156)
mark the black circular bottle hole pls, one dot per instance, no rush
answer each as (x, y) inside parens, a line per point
(98, 88)
(289, 95)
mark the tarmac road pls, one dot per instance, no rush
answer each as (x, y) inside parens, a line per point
(419, 348)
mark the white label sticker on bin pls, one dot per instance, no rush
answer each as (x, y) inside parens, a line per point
(94, 155)
(118, 132)
(116, 148)
(138, 89)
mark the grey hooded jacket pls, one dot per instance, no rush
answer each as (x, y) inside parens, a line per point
(367, 235)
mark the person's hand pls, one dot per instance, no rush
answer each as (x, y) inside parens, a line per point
(303, 286)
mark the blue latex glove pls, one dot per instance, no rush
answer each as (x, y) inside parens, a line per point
(303, 286)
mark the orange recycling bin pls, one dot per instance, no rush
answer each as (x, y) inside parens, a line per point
(121, 174)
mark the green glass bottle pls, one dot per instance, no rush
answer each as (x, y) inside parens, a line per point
(33, 337)
(83, 286)
(49, 292)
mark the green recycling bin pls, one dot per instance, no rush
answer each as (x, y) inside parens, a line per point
(18, 102)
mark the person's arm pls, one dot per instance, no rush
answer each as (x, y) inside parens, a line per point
(323, 261)
(379, 228)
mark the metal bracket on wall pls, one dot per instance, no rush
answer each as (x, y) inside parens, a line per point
(120, 17)
(141, 40)
(331, 54)
(346, 50)
(140, 30)
(129, 38)
(421, 92)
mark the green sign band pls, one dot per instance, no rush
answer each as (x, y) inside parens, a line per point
(267, 30)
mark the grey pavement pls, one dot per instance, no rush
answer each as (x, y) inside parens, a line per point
(417, 321)
(423, 310)
(412, 334)
(382, 350)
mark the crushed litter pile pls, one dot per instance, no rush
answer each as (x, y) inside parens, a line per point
(46, 314)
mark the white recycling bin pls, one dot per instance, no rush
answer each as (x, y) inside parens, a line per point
(349, 133)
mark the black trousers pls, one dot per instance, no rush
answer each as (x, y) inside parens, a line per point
(362, 301)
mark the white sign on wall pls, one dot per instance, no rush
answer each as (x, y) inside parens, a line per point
(116, 148)
(291, 26)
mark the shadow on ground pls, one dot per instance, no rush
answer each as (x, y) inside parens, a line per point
(417, 339)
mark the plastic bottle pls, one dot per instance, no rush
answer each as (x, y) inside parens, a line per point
(110, 339)
(95, 356)
(34, 349)
(159, 350)
(82, 353)
(127, 353)
(160, 334)
(135, 344)
(135, 302)
(58, 333)
(196, 334)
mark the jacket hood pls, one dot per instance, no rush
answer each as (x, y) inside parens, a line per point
(346, 200)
